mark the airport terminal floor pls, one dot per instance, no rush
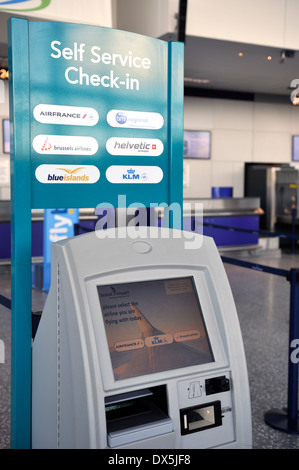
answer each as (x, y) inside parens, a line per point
(262, 302)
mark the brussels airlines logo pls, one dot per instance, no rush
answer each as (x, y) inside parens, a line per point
(65, 145)
(134, 146)
(65, 115)
(33, 5)
(67, 174)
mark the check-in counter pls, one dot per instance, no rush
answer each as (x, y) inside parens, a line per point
(199, 215)
(230, 213)
(208, 216)
(38, 214)
(86, 216)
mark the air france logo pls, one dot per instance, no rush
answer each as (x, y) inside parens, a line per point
(67, 174)
(134, 174)
(128, 345)
(65, 115)
(135, 119)
(65, 145)
(134, 146)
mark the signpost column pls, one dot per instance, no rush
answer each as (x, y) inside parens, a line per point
(97, 115)
(20, 237)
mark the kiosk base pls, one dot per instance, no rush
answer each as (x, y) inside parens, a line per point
(279, 419)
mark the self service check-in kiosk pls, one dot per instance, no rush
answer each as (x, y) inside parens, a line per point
(139, 346)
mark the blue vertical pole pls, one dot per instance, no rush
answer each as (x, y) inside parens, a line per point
(294, 212)
(18, 39)
(176, 127)
(293, 366)
(280, 418)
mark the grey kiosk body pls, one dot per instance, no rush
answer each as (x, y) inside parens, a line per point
(139, 346)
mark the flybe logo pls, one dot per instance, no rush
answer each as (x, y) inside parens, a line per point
(67, 174)
(65, 115)
(135, 119)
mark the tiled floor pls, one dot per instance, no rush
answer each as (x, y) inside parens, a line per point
(262, 302)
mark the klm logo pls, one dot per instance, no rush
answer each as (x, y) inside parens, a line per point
(130, 175)
(156, 340)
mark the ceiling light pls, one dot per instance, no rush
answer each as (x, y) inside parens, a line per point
(196, 80)
(240, 54)
(269, 57)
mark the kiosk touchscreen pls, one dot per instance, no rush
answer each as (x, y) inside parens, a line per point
(139, 346)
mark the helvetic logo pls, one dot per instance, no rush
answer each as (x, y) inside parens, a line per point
(134, 174)
(65, 145)
(134, 146)
(67, 174)
(135, 119)
(65, 115)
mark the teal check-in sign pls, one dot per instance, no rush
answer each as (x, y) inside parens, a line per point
(100, 116)
(96, 114)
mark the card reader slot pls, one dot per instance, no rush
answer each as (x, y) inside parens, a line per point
(124, 409)
(122, 397)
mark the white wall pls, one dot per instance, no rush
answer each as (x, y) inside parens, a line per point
(241, 132)
(149, 17)
(264, 22)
